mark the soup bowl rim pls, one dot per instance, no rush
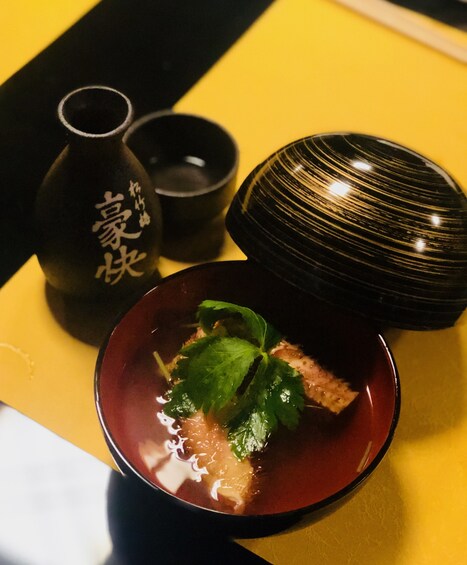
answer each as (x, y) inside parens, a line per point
(124, 463)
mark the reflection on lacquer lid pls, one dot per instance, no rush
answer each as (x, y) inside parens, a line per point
(361, 222)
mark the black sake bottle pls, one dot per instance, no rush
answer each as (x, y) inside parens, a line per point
(97, 216)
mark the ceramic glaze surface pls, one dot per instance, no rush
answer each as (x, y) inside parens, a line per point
(361, 222)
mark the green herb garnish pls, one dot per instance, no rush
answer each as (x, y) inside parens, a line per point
(274, 395)
(231, 373)
(211, 370)
(253, 327)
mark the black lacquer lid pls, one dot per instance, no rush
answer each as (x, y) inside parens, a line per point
(361, 222)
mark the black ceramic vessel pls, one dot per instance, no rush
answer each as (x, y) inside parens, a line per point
(97, 216)
(192, 162)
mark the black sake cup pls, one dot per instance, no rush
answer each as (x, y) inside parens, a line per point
(192, 162)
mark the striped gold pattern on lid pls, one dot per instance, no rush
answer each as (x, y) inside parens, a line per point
(361, 222)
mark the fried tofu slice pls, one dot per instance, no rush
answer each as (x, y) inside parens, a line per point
(228, 479)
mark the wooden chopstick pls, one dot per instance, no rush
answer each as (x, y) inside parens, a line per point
(414, 25)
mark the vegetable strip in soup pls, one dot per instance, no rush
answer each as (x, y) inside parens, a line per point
(321, 386)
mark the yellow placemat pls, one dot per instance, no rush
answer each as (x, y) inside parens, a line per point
(315, 66)
(46, 373)
(307, 67)
(28, 26)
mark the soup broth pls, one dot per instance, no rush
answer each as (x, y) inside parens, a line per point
(297, 468)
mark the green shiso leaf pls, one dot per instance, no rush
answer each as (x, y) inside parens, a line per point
(274, 395)
(211, 370)
(252, 326)
(180, 404)
(230, 370)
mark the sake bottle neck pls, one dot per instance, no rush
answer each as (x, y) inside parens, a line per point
(95, 118)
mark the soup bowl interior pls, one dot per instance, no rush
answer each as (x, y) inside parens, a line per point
(304, 473)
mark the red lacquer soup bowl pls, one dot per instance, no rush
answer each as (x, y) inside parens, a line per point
(302, 474)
